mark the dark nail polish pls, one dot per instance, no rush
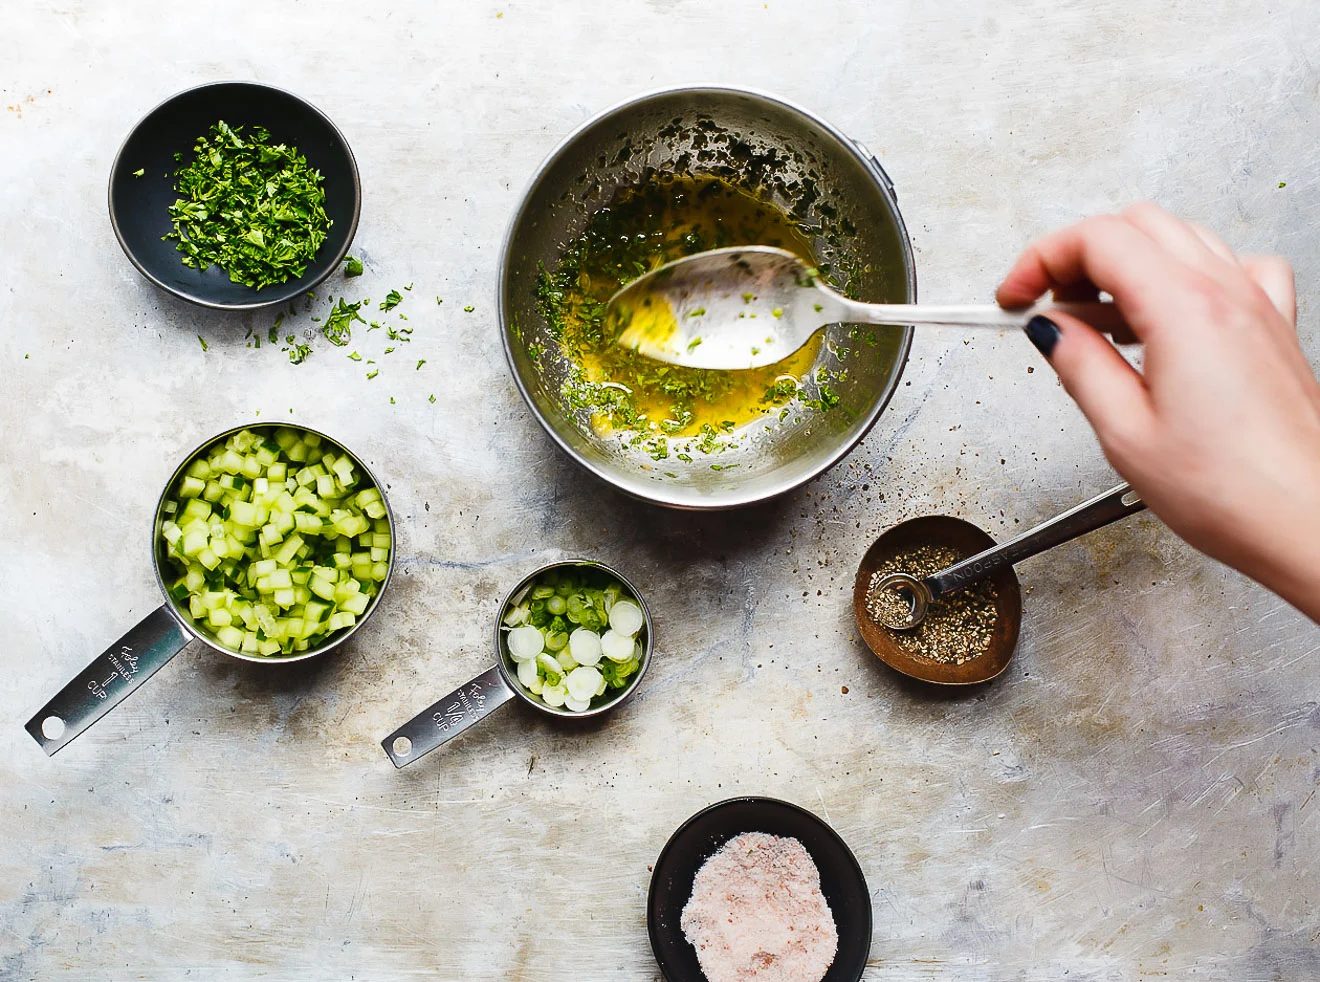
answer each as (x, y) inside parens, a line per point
(1044, 334)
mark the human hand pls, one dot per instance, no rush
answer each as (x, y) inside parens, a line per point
(1220, 430)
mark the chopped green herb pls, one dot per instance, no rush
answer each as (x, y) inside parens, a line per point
(392, 300)
(408, 287)
(817, 307)
(697, 313)
(254, 209)
(354, 356)
(373, 326)
(391, 400)
(469, 308)
(420, 363)
(748, 297)
(298, 353)
(1282, 184)
(388, 350)
(142, 170)
(777, 312)
(373, 373)
(205, 346)
(338, 326)
(438, 301)
(693, 344)
(432, 399)
(352, 266)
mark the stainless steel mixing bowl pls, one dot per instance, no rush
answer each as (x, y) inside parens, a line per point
(829, 183)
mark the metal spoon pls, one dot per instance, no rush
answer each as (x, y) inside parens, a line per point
(988, 561)
(748, 306)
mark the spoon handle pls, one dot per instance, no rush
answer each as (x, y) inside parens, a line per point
(1100, 511)
(1102, 316)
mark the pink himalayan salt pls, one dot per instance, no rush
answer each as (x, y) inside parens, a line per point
(757, 913)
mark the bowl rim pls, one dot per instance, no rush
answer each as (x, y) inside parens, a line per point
(652, 929)
(189, 296)
(659, 495)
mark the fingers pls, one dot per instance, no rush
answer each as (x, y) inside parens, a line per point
(1180, 238)
(1113, 255)
(1214, 243)
(1274, 275)
(1109, 391)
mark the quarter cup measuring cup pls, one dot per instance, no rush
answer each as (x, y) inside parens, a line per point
(116, 674)
(473, 702)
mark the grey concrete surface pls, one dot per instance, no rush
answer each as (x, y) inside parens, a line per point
(1136, 798)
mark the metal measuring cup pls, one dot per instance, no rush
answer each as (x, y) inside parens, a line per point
(473, 702)
(120, 669)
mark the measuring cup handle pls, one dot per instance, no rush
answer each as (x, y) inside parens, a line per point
(448, 718)
(109, 680)
(1100, 511)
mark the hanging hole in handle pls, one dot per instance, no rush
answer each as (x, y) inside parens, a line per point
(401, 746)
(1130, 499)
(52, 727)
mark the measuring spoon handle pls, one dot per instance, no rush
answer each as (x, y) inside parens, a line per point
(1100, 511)
(109, 680)
(1103, 316)
(447, 718)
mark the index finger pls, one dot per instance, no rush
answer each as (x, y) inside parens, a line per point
(1108, 252)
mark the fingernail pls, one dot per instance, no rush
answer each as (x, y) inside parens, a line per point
(1044, 334)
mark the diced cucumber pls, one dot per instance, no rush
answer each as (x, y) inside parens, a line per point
(274, 542)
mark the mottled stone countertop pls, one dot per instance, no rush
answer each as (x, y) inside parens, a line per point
(1135, 798)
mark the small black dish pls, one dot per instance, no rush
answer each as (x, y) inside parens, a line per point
(139, 206)
(698, 838)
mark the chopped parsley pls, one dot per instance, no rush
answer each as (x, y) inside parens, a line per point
(392, 300)
(142, 170)
(352, 266)
(338, 326)
(253, 208)
(469, 308)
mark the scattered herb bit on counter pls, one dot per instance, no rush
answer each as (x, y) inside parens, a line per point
(574, 634)
(757, 912)
(254, 209)
(278, 541)
(392, 300)
(420, 363)
(408, 287)
(338, 326)
(142, 170)
(373, 373)
(432, 399)
(469, 308)
(957, 627)
(352, 266)
(205, 346)
(438, 301)
(298, 351)
(391, 400)
(354, 356)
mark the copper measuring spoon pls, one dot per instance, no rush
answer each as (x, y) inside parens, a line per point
(987, 561)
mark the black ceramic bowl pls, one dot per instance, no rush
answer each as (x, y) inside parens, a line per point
(139, 206)
(841, 881)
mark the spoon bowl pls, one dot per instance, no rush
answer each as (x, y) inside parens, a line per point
(746, 307)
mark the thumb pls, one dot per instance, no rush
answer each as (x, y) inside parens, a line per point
(1110, 392)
